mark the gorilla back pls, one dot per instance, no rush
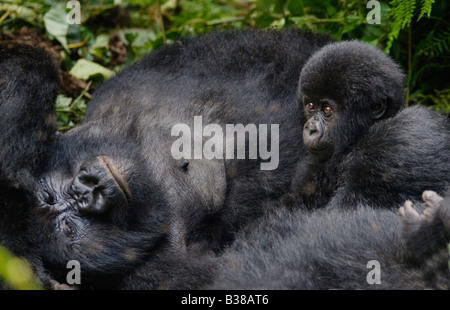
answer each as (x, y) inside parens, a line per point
(117, 171)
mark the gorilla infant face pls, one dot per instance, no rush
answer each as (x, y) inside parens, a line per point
(344, 88)
(102, 210)
(316, 131)
(330, 128)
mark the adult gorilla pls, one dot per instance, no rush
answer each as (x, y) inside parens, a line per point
(115, 199)
(113, 196)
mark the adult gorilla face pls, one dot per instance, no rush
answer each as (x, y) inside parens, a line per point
(99, 186)
(91, 209)
(343, 89)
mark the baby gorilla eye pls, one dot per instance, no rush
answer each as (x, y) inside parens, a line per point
(310, 106)
(327, 110)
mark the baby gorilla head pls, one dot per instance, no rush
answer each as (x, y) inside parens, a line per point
(99, 207)
(343, 89)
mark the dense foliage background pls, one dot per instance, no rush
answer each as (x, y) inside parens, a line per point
(114, 33)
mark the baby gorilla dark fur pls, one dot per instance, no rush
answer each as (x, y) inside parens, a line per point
(363, 145)
(28, 89)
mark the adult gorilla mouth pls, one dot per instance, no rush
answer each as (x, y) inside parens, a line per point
(116, 175)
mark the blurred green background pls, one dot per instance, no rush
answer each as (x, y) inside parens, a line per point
(115, 33)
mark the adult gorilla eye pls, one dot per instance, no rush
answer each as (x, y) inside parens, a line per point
(327, 110)
(310, 106)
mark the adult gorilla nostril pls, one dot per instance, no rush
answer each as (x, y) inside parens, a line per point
(89, 180)
(98, 187)
(89, 193)
(82, 185)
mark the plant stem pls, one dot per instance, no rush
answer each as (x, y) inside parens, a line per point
(161, 20)
(409, 63)
(4, 16)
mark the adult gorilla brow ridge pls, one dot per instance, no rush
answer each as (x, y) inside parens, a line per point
(116, 175)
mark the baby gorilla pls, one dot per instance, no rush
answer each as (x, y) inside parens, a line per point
(363, 146)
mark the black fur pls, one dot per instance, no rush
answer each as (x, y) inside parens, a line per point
(397, 160)
(28, 87)
(163, 205)
(113, 197)
(331, 249)
(374, 150)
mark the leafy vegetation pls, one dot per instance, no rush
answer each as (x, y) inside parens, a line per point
(115, 33)
(15, 272)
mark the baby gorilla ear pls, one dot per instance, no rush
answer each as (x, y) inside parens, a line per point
(378, 110)
(99, 186)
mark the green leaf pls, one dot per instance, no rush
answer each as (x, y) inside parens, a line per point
(401, 14)
(21, 11)
(352, 21)
(85, 69)
(138, 40)
(426, 8)
(100, 46)
(56, 25)
(16, 272)
(62, 102)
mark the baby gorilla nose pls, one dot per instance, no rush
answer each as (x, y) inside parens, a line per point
(312, 128)
(312, 133)
(99, 186)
